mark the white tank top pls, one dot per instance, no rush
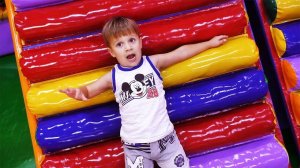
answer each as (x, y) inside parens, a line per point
(141, 97)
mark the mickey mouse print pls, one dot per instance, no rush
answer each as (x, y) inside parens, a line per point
(141, 86)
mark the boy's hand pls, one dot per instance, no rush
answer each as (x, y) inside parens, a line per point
(74, 93)
(218, 40)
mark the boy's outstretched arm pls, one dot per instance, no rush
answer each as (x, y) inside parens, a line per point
(88, 91)
(186, 51)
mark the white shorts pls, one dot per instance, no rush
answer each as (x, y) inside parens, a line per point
(167, 152)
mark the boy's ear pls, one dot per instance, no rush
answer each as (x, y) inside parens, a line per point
(111, 52)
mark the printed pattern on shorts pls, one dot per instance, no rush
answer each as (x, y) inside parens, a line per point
(163, 142)
(179, 160)
(138, 163)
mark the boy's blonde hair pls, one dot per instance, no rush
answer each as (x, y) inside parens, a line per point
(117, 27)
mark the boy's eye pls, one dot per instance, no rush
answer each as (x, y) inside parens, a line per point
(132, 40)
(119, 44)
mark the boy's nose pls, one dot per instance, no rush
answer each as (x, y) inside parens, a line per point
(127, 46)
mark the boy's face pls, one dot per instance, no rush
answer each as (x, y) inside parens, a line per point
(127, 49)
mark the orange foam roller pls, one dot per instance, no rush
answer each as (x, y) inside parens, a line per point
(295, 101)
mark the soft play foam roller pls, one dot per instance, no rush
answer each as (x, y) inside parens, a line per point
(266, 152)
(295, 101)
(291, 71)
(282, 10)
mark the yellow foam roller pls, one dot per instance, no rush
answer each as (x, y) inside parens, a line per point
(282, 10)
(238, 53)
(45, 99)
(279, 41)
(295, 101)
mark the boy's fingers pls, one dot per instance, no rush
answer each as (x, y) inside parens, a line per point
(62, 90)
(66, 91)
(223, 36)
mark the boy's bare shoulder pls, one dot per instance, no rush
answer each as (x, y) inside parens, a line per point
(154, 59)
(108, 75)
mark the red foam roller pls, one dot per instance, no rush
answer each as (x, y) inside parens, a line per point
(65, 58)
(196, 136)
(168, 34)
(106, 154)
(86, 53)
(89, 15)
(226, 129)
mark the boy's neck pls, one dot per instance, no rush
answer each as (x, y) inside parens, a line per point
(126, 68)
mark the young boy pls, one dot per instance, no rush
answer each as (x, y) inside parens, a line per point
(147, 132)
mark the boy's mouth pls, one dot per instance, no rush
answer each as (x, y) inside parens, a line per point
(130, 56)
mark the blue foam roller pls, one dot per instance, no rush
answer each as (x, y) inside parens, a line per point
(216, 94)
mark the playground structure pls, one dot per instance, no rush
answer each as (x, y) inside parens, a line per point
(225, 87)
